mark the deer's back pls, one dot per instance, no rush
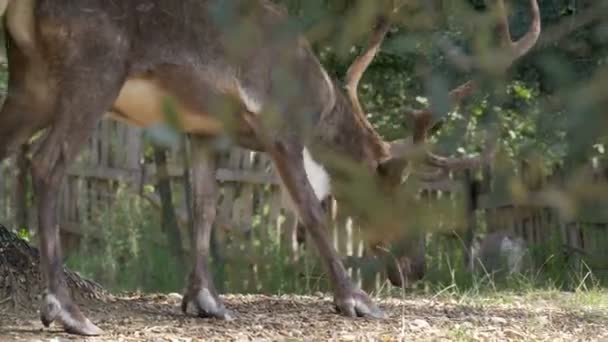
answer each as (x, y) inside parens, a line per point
(200, 52)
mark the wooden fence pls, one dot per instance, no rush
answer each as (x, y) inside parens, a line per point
(251, 205)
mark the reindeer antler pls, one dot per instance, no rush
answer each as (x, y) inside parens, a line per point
(382, 24)
(361, 63)
(509, 51)
(424, 119)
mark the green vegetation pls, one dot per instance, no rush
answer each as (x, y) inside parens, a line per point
(549, 108)
(126, 250)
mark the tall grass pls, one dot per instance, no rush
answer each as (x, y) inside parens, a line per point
(125, 249)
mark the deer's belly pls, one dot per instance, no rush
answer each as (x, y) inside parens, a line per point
(143, 102)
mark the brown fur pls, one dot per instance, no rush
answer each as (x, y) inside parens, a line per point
(229, 67)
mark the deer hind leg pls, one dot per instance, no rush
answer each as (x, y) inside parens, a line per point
(201, 292)
(17, 124)
(28, 102)
(348, 299)
(78, 114)
(18, 120)
(89, 79)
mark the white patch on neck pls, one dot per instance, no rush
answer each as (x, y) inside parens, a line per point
(251, 102)
(317, 176)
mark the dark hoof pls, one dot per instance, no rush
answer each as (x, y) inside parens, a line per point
(68, 315)
(356, 303)
(206, 305)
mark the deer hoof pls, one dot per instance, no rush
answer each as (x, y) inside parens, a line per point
(68, 314)
(356, 303)
(206, 305)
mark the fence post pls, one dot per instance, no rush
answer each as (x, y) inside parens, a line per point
(472, 202)
(21, 188)
(2, 195)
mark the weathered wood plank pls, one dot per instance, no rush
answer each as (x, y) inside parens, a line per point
(3, 187)
(127, 175)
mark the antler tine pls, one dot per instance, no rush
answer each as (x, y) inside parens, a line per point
(503, 26)
(361, 63)
(423, 119)
(515, 50)
(454, 163)
(463, 163)
(432, 176)
(518, 48)
(382, 24)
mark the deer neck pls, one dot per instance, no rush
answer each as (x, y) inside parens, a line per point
(345, 132)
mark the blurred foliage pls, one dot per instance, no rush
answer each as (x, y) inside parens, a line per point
(534, 105)
(125, 248)
(550, 108)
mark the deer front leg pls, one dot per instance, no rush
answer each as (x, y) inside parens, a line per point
(201, 292)
(348, 299)
(76, 118)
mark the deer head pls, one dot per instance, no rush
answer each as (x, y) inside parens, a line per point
(388, 159)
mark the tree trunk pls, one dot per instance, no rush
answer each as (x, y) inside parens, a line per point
(21, 189)
(472, 198)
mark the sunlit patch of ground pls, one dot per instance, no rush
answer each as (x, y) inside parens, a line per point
(538, 316)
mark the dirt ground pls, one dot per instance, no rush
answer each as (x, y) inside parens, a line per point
(287, 318)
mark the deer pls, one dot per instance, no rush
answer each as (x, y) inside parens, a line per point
(229, 69)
